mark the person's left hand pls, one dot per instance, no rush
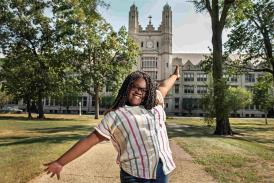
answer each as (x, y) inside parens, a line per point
(54, 168)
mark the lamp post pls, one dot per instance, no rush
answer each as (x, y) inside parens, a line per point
(80, 105)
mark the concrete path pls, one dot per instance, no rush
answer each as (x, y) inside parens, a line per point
(98, 166)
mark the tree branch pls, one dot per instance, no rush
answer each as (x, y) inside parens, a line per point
(249, 68)
(208, 7)
(227, 4)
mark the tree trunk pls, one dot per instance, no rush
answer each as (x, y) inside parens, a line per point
(28, 109)
(97, 100)
(222, 120)
(265, 117)
(40, 108)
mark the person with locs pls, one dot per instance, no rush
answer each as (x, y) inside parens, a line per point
(135, 125)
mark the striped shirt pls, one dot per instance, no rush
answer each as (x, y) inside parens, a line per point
(140, 138)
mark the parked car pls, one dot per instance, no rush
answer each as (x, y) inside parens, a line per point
(11, 110)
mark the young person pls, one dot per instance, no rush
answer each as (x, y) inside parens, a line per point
(136, 127)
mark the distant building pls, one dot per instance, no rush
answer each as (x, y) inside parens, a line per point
(158, 61)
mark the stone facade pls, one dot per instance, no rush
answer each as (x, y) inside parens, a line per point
(158, 61)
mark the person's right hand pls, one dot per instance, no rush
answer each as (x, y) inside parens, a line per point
(54, 168)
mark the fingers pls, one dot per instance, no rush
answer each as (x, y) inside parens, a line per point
(58, 176)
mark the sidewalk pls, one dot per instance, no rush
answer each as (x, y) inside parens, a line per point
(98, 166)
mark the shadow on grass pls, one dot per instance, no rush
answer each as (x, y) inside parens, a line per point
(45, 139)
(205, 131)
(77, 128)
(253, 128)
(190, 131)
(25, 118)
(49, 135)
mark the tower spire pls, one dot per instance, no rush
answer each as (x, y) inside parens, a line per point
(149, 19)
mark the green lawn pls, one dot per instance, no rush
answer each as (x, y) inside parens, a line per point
(26, 144)
(246, 157)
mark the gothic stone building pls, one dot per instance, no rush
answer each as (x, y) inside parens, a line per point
(158, 61)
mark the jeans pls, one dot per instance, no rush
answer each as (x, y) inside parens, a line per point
(160, 176)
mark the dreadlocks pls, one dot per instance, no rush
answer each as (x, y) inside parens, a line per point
(150, 98)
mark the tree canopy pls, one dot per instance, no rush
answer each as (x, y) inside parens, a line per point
(251, 36)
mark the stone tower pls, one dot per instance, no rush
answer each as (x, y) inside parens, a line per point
(155, 44)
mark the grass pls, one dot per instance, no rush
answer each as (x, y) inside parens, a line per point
(246, 157)
(26, 144)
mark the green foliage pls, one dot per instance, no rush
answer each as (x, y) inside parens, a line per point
(40, 41)
(34, 66)
(251, 33)
(208, 102)
(238, 98)
(263, 93)
(107, 101)
(4, 98)
(98, 53)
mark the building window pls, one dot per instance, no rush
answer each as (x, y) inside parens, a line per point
(234, 79)
(201, 77)
(177, 86)
(177, 100)
(188, 89)
(249, 78)
(47, 103)
(157, 44)
(167, 65)
(142, 44)
(201, 89)
(188, 76)
(93, 101)
(166, 106)
(85, 101)
(149, 62)
(152, 74)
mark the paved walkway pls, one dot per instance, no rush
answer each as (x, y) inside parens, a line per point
(98, 166)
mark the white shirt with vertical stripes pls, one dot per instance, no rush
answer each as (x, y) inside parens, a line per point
(140, 138)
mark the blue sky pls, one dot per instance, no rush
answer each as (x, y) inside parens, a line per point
(191, 30)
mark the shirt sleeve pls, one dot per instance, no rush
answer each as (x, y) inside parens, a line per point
(105, 127)
(160, 98)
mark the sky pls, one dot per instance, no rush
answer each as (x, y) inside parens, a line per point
(191, 30)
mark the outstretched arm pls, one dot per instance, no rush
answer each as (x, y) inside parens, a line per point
(74, 152)
(167, 84)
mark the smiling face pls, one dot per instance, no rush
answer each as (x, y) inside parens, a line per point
(137, 92)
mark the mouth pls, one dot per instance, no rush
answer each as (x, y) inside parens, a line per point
(137, 97)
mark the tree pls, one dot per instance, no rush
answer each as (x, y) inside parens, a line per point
(99, 54)
(251, 35)
(4, 98)
(237, 98)
(207, 102)
(263, 96)
(109, 57)
(218, 11)
(107, 101)
(33, 68)
(17, 76)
